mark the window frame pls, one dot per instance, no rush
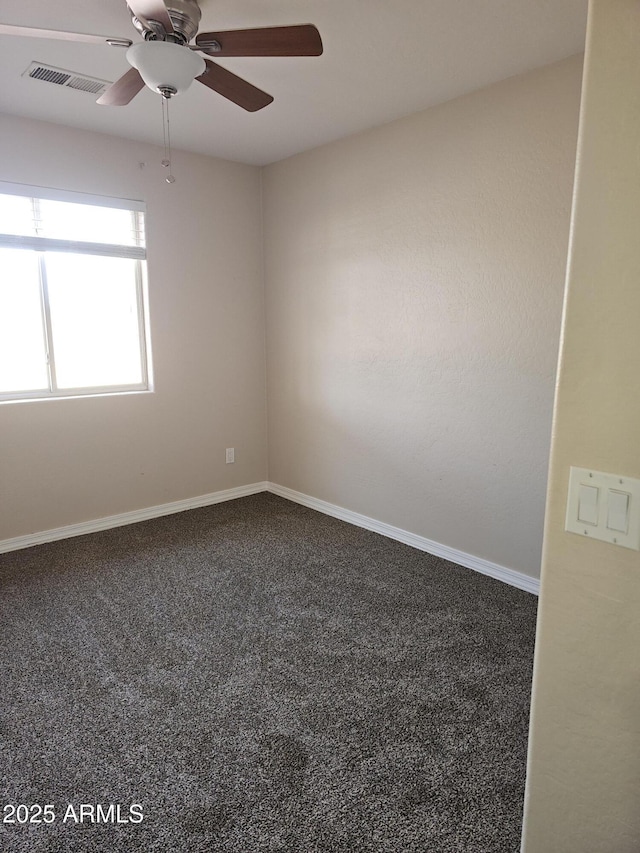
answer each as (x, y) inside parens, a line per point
(42, 245)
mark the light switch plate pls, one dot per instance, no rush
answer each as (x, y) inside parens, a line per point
(604, 507)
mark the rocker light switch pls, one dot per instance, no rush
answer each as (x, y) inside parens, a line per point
(588, 504)
(604, 506)
(618, 511)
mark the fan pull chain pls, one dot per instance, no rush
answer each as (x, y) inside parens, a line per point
(166, 137)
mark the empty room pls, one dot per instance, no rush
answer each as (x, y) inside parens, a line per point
(319, 417)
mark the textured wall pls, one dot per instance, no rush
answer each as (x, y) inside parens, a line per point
(66, 461)
(584, 760)
(414, 279)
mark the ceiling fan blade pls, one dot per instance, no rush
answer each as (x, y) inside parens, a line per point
(300, 40)
(234, 88)
(151, 10)
(123, 90)
(35, 32)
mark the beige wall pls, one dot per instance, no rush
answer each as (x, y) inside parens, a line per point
(414, 278)
(67, 461)
(414, 281)
(583, 784)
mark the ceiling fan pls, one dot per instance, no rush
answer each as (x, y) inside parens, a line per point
(168, 64)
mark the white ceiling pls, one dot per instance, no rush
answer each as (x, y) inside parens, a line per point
(382, 59)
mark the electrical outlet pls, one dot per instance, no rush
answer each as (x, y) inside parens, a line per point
(231, 454)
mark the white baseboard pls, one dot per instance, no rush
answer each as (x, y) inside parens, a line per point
(129, 517)
(501, 573)
(509, 576)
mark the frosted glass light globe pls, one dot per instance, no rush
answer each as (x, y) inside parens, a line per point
(165, 65)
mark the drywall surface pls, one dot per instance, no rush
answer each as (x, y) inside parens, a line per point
(584, 751)
(68, 461)
(414, 278)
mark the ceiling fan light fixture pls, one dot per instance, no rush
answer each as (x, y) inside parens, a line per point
(166, 66)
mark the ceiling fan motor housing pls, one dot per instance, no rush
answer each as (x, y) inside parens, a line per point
(185, 16)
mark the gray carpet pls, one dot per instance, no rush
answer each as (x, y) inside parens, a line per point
(260, 677)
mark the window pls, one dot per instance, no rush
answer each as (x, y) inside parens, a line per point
(72, 294)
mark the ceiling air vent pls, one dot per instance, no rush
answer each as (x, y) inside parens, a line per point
(49, 74)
